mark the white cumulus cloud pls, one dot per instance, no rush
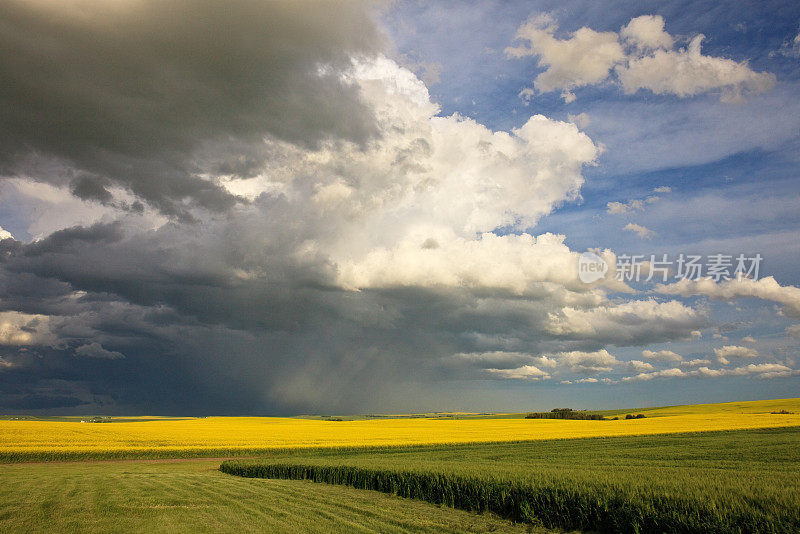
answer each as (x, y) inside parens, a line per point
(588, 363)
(638, 229)
(666, 373)
(662, 356)
(638, 366)
(585, 58)
(526, 372)
(687, 72)
(641, 56)
(727, 352)
(766, 288)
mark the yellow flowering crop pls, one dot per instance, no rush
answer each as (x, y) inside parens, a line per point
(216, 433)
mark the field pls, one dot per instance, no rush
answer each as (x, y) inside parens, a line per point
(705, 468)
(193, 496)
(248, 436)
(700, 482)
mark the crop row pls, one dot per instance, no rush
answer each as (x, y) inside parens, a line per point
(564, 505)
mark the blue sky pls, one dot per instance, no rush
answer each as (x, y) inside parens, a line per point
(381, 208)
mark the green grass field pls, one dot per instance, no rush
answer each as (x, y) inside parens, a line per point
(711, 481)
(738, 481)
(193, 496)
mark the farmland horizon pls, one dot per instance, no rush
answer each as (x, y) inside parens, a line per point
(615, 470)
(377, 414)
(73, 438)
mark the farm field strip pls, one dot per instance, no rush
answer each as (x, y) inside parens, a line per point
(194, 496)
(221, 436)
(700, 482)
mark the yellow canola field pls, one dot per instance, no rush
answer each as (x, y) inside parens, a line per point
(214, 433)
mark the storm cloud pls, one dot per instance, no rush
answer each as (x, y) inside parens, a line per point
(140, 94)
(287, 304)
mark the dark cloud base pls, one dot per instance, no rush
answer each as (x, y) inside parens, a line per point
(140, 95)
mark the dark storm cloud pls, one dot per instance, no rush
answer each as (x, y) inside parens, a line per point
(91, 188)
(224, 316)
(202, 345)
(238, 272)
(41, 402)
(197, 339)
(98, 93)
(68, 239)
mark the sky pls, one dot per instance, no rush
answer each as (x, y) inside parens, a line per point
(276, 208)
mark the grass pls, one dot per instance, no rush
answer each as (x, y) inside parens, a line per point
(704, 468)
(193, 496)
(29, 440)
(735, 481)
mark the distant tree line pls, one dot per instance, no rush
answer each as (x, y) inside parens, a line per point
(565, 413)
(569, 413)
